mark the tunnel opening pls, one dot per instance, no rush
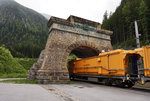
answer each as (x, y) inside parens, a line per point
(81, 52)
(84, 52)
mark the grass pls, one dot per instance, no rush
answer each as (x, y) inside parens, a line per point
(14, 75)
(70, 82)
(20, 81)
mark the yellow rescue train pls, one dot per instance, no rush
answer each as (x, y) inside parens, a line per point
(120, 67)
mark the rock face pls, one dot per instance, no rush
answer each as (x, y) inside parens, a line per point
(75, 35)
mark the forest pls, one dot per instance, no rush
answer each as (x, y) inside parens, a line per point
(121, 22)
(23, 31)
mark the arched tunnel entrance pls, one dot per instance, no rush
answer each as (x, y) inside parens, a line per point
(84, 52)
(81, 52)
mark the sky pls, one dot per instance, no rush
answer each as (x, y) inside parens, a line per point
(88, 9)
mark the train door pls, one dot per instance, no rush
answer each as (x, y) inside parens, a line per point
(132, 68)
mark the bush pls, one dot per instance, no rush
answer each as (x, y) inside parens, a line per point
(71, 57)
(26, 62)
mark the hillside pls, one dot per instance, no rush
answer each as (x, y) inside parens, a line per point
(23, 31)
(121, 22)
(46, 16)
(8, 64)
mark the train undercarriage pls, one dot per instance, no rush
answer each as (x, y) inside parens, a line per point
(124, 82)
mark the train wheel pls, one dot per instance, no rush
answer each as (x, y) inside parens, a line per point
(119, 83)
(127, 85)
(130, 84)
(108, 82)
(122, 85)
(71, 78)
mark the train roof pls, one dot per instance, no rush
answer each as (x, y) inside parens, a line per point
(112, 52)
(118, 51)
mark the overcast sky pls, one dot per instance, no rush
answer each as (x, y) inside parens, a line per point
(88, 9)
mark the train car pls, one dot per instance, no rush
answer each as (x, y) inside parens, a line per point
(145, 63)
(120, 67)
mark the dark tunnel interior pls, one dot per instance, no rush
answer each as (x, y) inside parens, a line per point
(84, 52)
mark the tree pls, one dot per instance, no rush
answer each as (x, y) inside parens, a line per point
(121, 22)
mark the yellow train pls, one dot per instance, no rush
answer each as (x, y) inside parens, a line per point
(120, 67)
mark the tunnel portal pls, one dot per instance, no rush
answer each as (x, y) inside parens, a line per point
(79, 36)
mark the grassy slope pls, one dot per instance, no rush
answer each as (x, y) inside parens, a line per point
(8, 64)
(11, 67)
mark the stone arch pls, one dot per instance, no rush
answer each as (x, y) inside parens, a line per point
(80, 36)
